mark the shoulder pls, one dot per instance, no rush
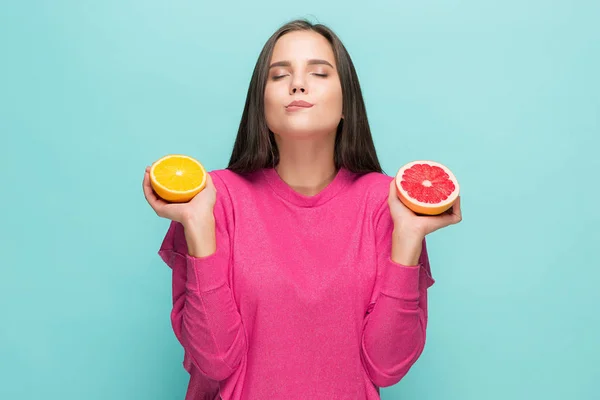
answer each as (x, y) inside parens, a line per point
(230, 181)
(232, 187)
(226, 182)
(374, 187)
(373, 180)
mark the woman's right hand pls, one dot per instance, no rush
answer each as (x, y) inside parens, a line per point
(196, 211)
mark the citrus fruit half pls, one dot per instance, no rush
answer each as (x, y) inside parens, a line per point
(426, 187)
(177, 178)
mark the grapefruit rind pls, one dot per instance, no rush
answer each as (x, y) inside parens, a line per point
(174, 195)
(421, 207)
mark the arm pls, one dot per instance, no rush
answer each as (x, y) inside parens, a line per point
(395, 325)
(204, 316)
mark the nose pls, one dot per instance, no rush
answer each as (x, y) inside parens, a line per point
(297, 88)
(298, 85)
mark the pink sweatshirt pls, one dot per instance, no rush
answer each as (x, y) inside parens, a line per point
(301, 299)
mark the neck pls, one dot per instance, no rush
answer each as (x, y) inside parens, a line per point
(307, 166)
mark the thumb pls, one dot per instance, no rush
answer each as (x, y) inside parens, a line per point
(393, 195)
(209, 182)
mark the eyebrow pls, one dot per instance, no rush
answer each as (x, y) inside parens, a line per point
(310, 62)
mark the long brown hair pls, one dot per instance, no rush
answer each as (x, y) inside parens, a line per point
(255, 146)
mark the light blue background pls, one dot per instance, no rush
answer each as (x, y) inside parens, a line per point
(506, 93)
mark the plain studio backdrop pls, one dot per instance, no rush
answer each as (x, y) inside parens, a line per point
(505, 93)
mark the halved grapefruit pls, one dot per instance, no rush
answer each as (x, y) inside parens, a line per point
(177, 178)
(426, 187)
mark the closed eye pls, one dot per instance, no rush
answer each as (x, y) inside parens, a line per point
(278, 77)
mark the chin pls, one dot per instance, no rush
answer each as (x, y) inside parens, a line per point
(310, 131)
(306, 128)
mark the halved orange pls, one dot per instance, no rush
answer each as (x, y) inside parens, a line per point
(177, 178)
(427, 187)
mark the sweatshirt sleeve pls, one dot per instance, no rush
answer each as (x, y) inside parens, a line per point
(394, 328)
(204, 316)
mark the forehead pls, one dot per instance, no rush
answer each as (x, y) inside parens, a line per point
(302, 45)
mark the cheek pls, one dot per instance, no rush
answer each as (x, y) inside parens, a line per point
(271, 111)
(268, 96)
(334, 99)
(269, 101)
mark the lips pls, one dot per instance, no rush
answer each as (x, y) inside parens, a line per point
(299, 103)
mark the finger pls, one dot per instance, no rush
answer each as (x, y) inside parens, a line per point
(146, 177)
(147, 188)
(394, 201)
(393, 194)
(209, 181)
(441, 221)
(456, 210)
(451, 216)
(155, 202)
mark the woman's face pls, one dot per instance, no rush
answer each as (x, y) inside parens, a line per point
(302, 68)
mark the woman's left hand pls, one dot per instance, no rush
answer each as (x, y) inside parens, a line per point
(407, 222)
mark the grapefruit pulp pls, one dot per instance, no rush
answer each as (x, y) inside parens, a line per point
(426, 187)
(177, 178)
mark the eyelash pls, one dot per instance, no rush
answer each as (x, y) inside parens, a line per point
(278, 77)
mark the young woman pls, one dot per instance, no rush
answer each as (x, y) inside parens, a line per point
(297, 272)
